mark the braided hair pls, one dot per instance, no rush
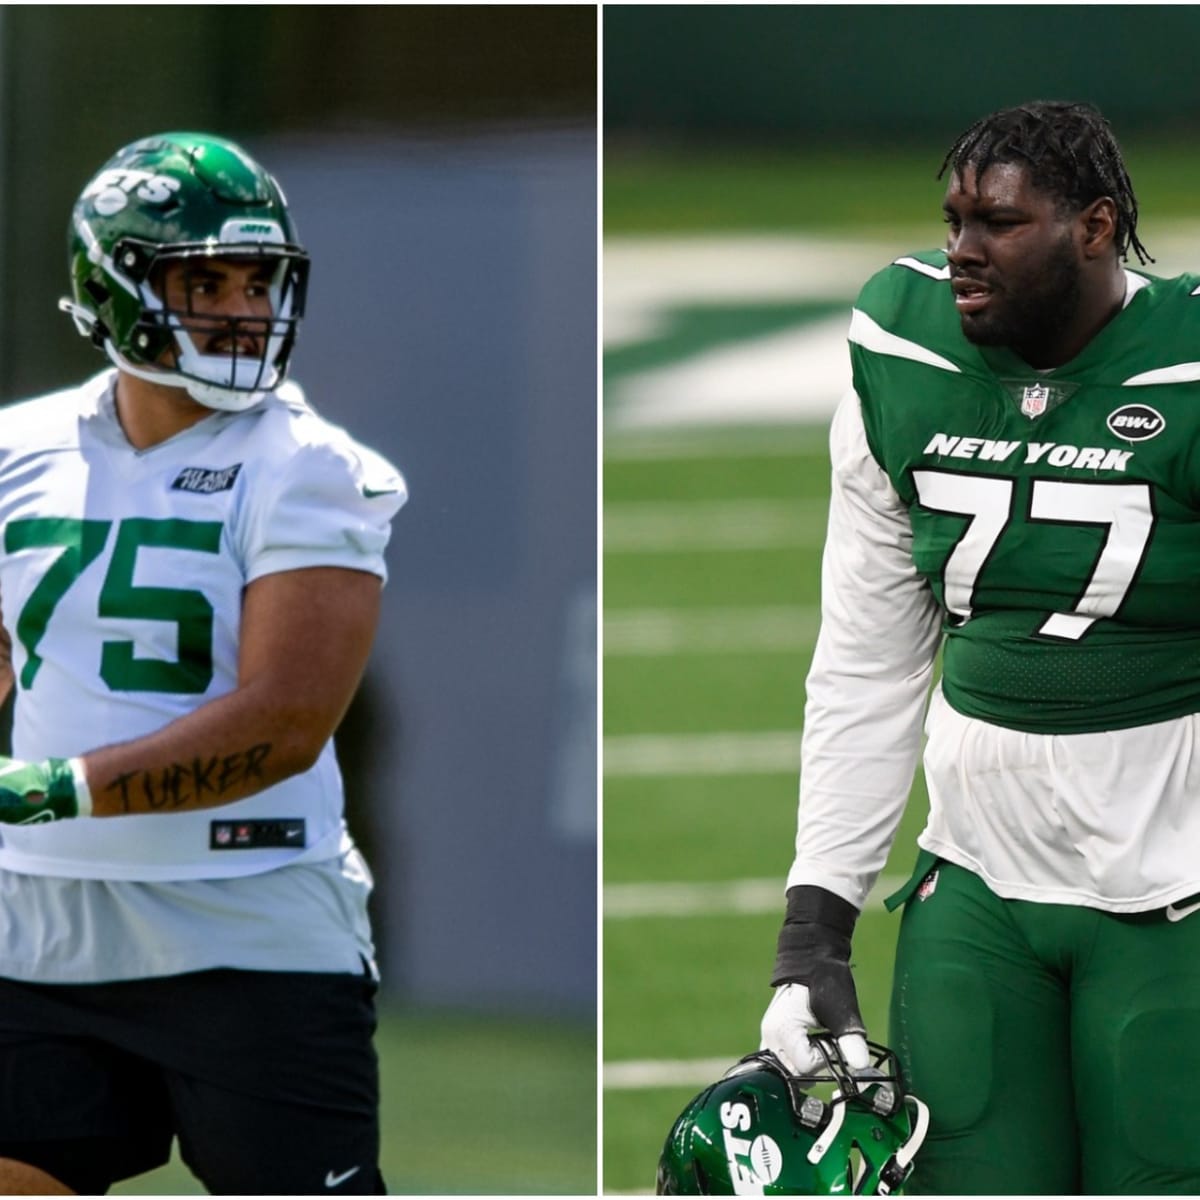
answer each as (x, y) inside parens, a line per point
(1070, 152)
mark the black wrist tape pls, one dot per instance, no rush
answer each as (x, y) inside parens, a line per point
(816, 930)
(807, 903)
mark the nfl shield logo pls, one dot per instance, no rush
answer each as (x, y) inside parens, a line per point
(1033, 400)
(928, 885)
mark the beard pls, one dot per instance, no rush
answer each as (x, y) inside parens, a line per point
(1031, 312)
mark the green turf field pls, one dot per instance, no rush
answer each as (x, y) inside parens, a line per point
(692, 985)
(471, 1106)
(856, 189)
(712, 548)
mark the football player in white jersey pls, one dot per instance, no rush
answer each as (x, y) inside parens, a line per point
(190, 582)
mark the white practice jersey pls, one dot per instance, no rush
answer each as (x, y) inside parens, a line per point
(121, 581)
(1107, 820)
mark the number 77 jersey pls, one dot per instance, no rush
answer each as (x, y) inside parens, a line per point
(1055, 514)
(122, 573)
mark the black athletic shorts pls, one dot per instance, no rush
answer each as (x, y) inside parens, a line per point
(268, 1079)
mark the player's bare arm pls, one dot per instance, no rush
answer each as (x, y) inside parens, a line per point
(305, 639)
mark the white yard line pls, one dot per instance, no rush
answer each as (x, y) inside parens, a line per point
(739, 897)
(654, 527)
(663, 631)
(655, 754)
(793, 375)
(646, 277)
(731, 897)
(666, 1072)
(687, 442)
(736, 897)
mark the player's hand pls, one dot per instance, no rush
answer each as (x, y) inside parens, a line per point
(790, 1020)
(814, 986)
(52, 790)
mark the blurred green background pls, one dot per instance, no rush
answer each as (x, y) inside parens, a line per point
(760, 162)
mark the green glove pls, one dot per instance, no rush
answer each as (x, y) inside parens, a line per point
(31, 793)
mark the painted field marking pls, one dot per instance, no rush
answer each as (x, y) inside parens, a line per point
(656, 754)
(665, 1072)
(641, 527)
(736, 897)
(662, 631)
(691, 442)
(730, 897)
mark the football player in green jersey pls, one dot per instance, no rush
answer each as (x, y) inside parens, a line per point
(1016, 484)
(191, 564)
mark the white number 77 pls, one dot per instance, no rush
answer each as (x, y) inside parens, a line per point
(1125, 509)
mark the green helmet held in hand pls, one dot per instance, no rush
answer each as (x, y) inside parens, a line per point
(762, 1131)
(167, 207)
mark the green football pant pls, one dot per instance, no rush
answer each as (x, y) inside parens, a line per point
(1058, 1047)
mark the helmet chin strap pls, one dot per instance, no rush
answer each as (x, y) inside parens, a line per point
(211, 395)
(896, 1170)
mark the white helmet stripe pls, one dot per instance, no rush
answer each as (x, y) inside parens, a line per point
(908, 1151)
(837, 1117)
(97, 255)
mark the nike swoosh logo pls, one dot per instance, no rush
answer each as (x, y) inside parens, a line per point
(371, 493)
(332, 1180)
(1177, 914)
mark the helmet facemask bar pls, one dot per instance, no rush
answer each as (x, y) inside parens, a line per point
(863, 1085)
(223, 360)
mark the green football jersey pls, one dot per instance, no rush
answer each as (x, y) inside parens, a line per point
(1055, 514)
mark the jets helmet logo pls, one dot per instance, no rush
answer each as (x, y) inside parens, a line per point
(752, 1162)
(109, 192)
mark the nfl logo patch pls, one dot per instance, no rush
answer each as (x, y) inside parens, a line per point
(928, 885)
(1033, 400)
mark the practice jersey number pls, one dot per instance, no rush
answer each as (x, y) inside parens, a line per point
(1125, 510)
(82, 542)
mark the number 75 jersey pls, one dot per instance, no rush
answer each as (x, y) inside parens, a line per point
(1055, 514)
(121, 582)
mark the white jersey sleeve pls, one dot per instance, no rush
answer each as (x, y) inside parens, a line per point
(870, 675)
(330, 504)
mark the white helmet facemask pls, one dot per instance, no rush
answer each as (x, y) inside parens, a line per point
(235, 380)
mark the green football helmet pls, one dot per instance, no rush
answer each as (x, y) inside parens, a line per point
(762, 1131)
(186, 198)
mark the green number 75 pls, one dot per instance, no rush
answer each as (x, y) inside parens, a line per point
(82, 542)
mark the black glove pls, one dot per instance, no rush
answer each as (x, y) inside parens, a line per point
(814, 949)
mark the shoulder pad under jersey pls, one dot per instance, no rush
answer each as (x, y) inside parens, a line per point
(907, 311)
